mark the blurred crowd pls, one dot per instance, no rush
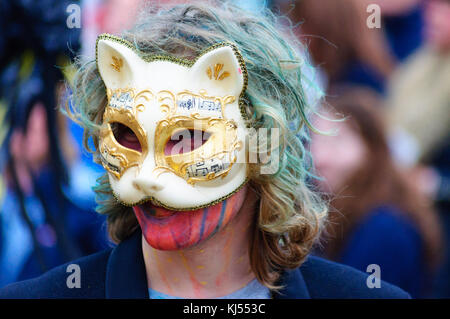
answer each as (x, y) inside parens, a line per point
(383, 162)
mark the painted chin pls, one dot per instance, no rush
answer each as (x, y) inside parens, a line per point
(165, 229)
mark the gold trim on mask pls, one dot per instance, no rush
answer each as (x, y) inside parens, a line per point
(212, 159)
(122, 108)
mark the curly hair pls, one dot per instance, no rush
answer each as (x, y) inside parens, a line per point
(279, 95)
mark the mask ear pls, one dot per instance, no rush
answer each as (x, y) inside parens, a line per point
(220, 72)
(116, 62)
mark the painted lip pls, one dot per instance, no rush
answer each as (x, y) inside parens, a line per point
(151, 210)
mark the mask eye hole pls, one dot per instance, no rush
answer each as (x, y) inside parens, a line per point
(185, 141)
(125, 136)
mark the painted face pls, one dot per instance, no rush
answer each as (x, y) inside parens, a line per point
(173, 130)
(165, 229)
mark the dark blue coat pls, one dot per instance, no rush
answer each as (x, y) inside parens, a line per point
(120, 273)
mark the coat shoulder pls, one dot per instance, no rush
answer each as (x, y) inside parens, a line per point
(327, 279)
(54, 283)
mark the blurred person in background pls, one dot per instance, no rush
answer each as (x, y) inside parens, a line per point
(376, 217)
(418, 106)
(340, 42)
(43, 223)
(105, 16)
(343, 45)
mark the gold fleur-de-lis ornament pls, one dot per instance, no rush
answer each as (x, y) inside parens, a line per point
(217, 72)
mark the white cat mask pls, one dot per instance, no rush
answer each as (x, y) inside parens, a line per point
(161, 99)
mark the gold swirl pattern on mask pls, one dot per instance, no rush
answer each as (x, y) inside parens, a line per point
(212, 159)
(184, 110)
(190, 111)
(122, 108)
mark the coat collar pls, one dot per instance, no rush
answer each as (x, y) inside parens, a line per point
(125, 273)
(126, 276)
(294, 286)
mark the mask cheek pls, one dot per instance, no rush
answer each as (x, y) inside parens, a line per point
(124, 189)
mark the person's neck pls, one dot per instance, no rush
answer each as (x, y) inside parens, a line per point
(211, 269)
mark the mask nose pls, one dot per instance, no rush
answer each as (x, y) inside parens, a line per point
(149, 186)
